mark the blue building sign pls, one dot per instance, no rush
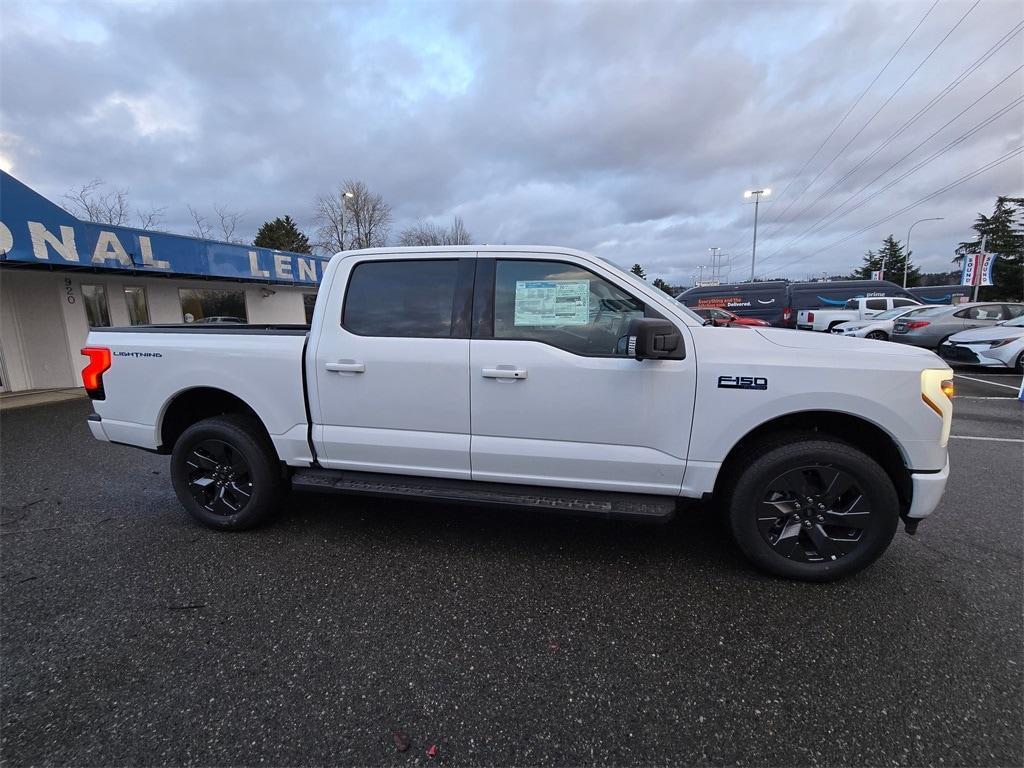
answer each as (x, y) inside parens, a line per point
(34, 230)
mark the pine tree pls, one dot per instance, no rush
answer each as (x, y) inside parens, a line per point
(891, 258)
(1003, 236)
(282, 235)
(659, 283)
(639, 271)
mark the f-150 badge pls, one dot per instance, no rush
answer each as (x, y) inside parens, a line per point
(742, 382)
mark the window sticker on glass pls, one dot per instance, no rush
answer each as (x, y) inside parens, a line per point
(552, 302)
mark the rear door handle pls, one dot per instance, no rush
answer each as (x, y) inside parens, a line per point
(345, 366)
(503, 373)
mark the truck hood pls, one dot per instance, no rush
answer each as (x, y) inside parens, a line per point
(991, 333)
(784, 337)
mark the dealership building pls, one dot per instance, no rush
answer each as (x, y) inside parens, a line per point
(61, 276)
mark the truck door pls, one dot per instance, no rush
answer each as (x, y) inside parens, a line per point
(391, 367)
(555, 398)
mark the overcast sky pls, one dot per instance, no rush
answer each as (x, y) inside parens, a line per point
(627, 129)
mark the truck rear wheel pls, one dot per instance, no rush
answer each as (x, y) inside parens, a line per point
(813, 509)
(226, 473)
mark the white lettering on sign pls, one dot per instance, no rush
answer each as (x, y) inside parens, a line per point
(283, 266)
(42, 238)
(147, 255)
(307, 269)
(254, 266)
(6, 238)
(109, 247)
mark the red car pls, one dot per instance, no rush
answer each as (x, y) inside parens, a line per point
(725, 317)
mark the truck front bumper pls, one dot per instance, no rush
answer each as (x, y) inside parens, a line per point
(927, 488)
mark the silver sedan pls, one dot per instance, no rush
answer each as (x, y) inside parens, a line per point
(933, 326)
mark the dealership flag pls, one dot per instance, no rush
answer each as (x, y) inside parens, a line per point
(977, 269)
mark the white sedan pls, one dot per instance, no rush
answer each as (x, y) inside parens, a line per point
(880, 326)
(997, 346)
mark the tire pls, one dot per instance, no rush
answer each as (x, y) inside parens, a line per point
(811, 543)
(226, 473)
(878, 336)
(1019, 367)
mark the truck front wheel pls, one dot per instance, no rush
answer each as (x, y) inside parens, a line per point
(813, 509)
(226, 473)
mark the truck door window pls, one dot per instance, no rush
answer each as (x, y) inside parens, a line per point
(875, 304)
(564, 305)
(903, 302)
(411, 298)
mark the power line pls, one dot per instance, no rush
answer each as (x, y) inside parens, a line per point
(857, 101)
(935, 100)
(848, 112)
(878, 111)
(830, 218)
(962, 180)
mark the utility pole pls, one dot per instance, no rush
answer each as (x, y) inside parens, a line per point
(756, 194)
(715, 268)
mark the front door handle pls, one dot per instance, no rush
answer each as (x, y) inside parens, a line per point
(502, 372)
(345, 366)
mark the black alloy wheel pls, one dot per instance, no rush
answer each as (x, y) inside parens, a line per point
(814, 513)
(226, 472)
(810, 506)
(218, 477)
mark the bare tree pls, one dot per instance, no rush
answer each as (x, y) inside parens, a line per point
(94, 203)
(200, 226)
(353, 217)
(150, 219)
(229, 221)
(428, 233)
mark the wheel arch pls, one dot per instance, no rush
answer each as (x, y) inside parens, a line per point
(194, 404)
(855, 430)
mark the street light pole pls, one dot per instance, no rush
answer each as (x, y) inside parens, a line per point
(906, 258)
(345, 197)
(756, 194)
(715, 271)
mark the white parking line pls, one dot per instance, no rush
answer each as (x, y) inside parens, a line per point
(1008, 398)
(985, 381)
(990, 439)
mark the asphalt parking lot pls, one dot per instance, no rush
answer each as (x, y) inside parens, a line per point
(132, 636)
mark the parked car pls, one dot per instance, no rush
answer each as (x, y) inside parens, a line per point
(1001, 346)
(724, 317)
(536, 378)
(880, 326)
(855, 309)
(932, 327)
(779, 301)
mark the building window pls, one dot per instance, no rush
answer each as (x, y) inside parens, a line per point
(211, 305)
(95, 299)
(308, 303)
(138, 308)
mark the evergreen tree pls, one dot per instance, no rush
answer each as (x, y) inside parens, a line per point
(1003, 236)
(659, 283)
(891, 258)
(282, 235)
(639, 271)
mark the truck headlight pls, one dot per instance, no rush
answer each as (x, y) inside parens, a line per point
(937, 393)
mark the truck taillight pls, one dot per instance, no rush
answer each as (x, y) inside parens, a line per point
(810, 317)
(917, 324)
(92, 374)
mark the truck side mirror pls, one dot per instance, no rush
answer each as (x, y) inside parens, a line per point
(652, 338)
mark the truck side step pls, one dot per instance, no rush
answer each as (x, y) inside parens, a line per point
(604, 504)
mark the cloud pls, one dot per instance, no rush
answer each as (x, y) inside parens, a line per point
(629, 129)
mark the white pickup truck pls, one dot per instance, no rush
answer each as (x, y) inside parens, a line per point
(862, 308)
(539, 378)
